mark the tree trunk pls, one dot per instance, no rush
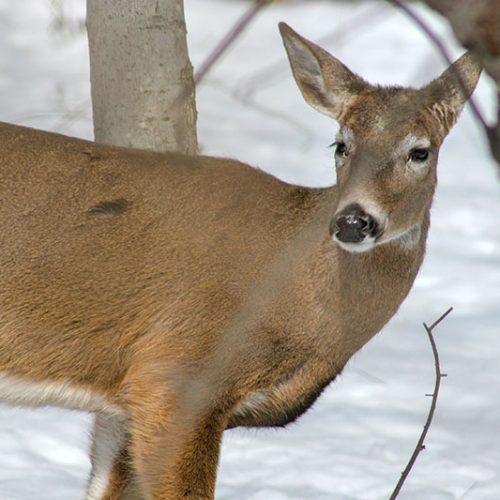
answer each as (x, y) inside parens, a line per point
(141, 76)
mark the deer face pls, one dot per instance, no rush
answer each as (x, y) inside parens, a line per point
(387, 146)
(385, 157)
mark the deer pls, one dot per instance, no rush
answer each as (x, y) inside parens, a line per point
(178, 296)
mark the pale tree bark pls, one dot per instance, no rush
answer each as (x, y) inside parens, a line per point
(141, 76)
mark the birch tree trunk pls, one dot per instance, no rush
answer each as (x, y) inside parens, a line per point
(141, 76)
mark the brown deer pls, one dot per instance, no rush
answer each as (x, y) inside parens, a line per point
(179, 296)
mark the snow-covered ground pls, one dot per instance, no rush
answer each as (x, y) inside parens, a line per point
(354, 443)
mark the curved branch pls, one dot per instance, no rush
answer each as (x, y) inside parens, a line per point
(420, 444)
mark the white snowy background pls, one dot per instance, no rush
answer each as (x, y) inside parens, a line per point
(357, 439)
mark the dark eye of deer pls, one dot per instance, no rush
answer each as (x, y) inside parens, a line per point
(419, 154)
(341, 149)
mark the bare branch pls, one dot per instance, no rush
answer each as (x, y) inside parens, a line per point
(442, 50)
(222, 47)
(420, 444)
(229, 38)
(477, 27)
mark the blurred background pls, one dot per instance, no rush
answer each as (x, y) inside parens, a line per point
(357, 439)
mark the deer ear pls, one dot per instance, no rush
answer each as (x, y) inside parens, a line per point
(326, 84)
(448, 94)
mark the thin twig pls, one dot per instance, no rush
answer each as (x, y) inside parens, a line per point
(444, 53)
(220, 49)
(420, 444)
(228, 39)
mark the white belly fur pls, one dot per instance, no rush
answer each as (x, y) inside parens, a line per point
(17, 391)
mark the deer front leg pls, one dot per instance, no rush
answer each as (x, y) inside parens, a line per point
(175, 446)
(177, 461)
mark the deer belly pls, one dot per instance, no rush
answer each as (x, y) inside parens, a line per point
(20, 391)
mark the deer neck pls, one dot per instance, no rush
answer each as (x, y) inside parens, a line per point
(357, 293)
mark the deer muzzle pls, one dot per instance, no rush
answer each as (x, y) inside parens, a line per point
(354, 225)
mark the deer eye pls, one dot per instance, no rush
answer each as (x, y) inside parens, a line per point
(341, 149)
(420, 154)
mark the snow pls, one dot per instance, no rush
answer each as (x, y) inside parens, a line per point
(357, 439)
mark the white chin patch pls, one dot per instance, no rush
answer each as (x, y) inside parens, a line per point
(363, 246)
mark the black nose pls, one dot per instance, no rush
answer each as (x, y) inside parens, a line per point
(353, 225)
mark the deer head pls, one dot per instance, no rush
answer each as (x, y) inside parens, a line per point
(388, 143)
